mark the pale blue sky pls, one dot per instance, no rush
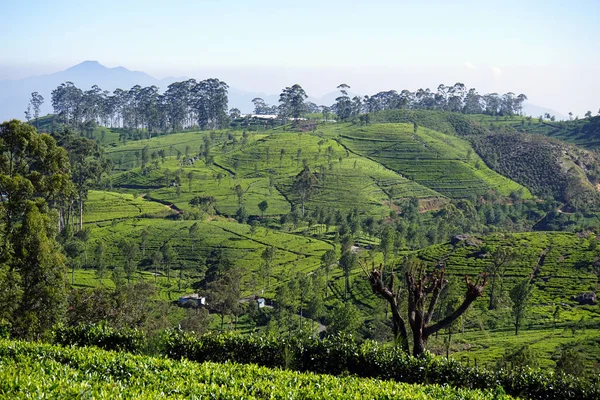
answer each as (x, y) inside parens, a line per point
(375, 45)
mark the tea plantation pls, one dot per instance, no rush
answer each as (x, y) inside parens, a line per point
(35, 370)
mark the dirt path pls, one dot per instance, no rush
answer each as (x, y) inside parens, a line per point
(170, 206)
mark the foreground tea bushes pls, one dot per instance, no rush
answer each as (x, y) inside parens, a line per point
(29, 370)
(336, 355)
(342, 355)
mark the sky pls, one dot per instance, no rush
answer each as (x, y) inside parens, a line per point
(549, 50)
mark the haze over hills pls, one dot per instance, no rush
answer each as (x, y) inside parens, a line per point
(15, 94)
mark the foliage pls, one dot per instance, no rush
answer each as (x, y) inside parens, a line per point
(343, 355)
(34, 177)
(53, 371)
(100, 335)
(548, 167)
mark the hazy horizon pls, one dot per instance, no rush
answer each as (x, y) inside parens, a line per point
(543, 49)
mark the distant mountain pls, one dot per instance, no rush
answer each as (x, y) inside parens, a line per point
(15, 94)
(536, 111)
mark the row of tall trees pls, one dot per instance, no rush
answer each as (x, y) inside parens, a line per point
(183, 104)
(455, 98)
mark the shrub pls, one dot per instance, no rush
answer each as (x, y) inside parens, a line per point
(340, 355)
(100, 335)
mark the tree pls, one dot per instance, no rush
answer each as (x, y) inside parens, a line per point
(190, 177)
(386, 243)
(263, 205)
(169, 257)
(345, 318)
(74, 249)
(291, 102)
(43, 274)
(240, 192)
(28, 113)
(209, 99)
(281, 154)
(343, 104)
(347, 263)
(328, 259)
(268, 255)
(234, 113)
(144, 240)
(223, 294)
(241, 215)
(420, 286)
(204, 203)
(36, 103)
(304, 185)
(500, 260)
(87, 164)
(99, 258)
(157, 262)
(34, 177)
(588, 114)
(193, 232)
(520, 295)
(129, 251)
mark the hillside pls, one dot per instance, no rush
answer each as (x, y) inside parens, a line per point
(441, 162)
(562, 265)
(582, 132)
(378, 190)
(361, 168)
(549, 158)
(547, 166)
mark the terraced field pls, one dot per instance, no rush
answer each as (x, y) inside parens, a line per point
(107, 206)
(443, 163)
(346, 181)
(293, 253)
(360, 168)
(561, 264)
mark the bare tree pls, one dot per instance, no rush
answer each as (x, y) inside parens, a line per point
(421, 286)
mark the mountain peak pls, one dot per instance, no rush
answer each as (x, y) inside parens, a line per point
(87, 66)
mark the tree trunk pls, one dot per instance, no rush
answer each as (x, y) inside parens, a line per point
(419, 343)
(399, 328)
(492, 287)
(80, 213)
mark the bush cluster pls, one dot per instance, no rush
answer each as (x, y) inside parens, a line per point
(100, 335)
(342, 355)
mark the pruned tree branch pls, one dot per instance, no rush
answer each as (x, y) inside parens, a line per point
(474, 290)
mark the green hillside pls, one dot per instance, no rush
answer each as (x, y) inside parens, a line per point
(581, 132)
(361, 168)
(381, 189)
(547, 166)
(562, 266)
(441, 162)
